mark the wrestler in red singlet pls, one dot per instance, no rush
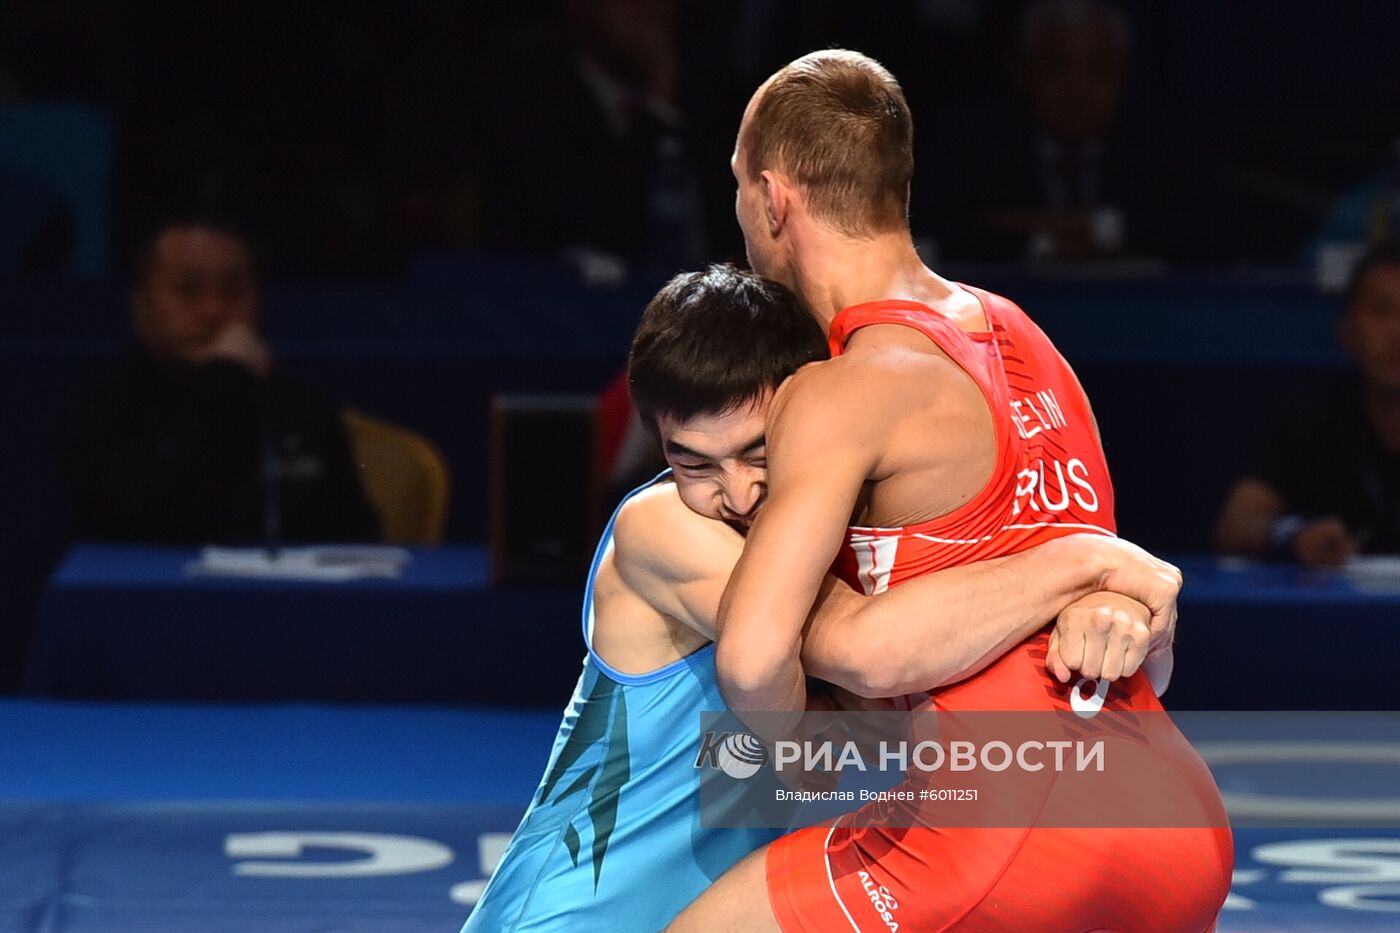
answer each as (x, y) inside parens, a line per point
(1050, 479)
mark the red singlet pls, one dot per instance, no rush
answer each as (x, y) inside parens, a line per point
(1051, 479)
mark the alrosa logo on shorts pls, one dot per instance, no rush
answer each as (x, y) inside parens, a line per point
(737, 754)
(881, 899)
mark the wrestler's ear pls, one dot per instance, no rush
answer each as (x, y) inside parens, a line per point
(777, 200)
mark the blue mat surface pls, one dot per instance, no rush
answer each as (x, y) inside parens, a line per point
(138, 751)
(151, 818)
(255, 866)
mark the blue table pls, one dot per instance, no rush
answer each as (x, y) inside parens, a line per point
(1261, 636)
(128, 622)
(120, 622)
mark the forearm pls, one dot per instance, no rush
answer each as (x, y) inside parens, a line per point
(759, 629)
(941, 628)
(765, 678)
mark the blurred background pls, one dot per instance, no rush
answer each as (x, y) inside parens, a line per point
(311, 273)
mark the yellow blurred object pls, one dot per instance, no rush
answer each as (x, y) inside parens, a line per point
(405, 478)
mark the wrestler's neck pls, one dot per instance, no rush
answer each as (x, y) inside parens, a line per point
(831, 272)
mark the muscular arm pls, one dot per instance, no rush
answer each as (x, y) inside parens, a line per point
(940, 628)
(931, 631)
(819, 457)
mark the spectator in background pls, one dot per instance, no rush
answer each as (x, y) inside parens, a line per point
(588, 148)
(1059, 179)
(1325, 484)
(195, 438)
(589, 152)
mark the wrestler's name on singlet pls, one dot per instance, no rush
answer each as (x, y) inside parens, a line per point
(1051, 485)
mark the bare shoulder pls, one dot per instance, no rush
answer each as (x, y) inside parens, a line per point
(657, 538)
(824, 386)
(965, 309)
(861, 392)
(648, 518)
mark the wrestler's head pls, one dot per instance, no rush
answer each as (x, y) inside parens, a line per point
(711, 349)
(827, 141)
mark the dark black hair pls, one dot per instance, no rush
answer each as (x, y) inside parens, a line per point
(712, 341)
(1384, 253)
(207, 218)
